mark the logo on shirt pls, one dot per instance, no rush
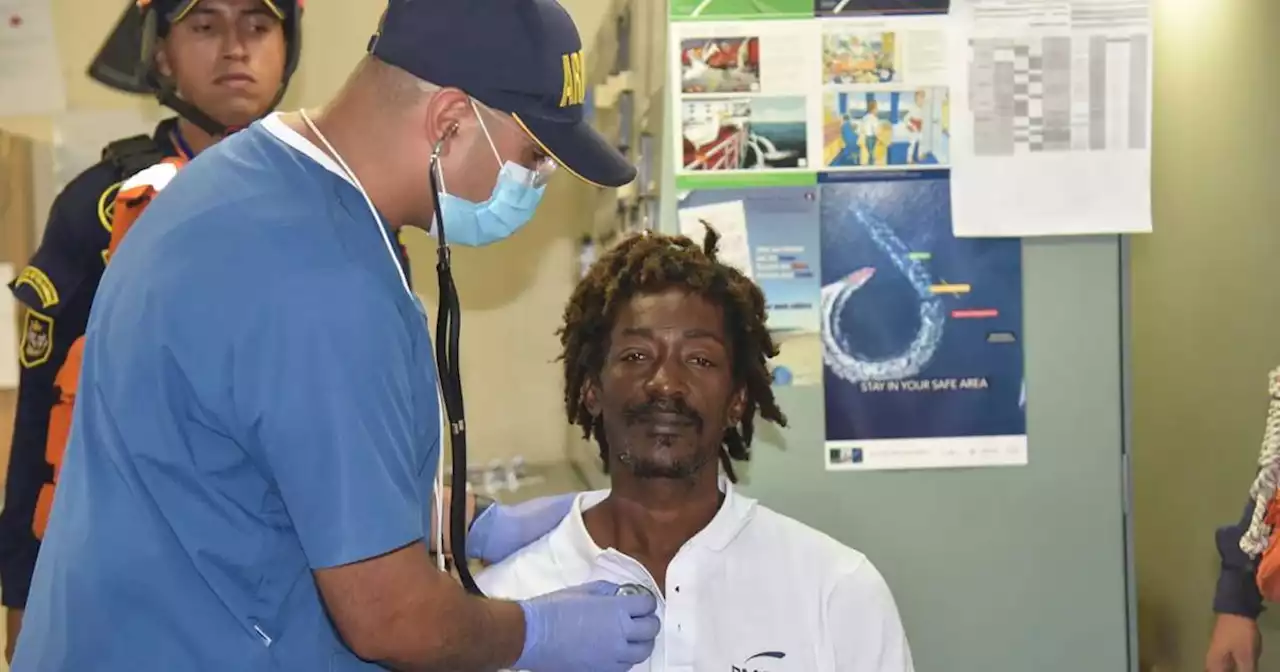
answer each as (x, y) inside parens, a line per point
(37, 340)
(761, 662)
(107, 206)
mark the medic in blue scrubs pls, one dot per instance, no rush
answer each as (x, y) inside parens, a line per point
(249, 479)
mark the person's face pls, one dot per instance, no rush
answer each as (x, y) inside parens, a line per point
(485, 140)
(227, 58)
(666, 392)
(477, 142)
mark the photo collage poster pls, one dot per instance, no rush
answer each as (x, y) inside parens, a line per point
(815, 138)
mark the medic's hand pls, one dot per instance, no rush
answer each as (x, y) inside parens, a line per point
(1235, 646)
(588, 628)
(504, 529)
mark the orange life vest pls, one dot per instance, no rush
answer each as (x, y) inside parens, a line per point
(1268, 575)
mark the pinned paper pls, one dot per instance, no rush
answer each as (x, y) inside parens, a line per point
(30, 70)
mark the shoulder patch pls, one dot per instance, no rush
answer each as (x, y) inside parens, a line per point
(37, 340)
(39, 281)
(107, 206)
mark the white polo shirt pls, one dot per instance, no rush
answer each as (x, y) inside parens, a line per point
(754, 591)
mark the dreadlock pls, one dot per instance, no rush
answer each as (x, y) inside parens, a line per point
(650, 263)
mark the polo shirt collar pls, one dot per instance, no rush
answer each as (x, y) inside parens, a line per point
(577, 553)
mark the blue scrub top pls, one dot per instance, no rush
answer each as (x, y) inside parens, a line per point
(258, 399)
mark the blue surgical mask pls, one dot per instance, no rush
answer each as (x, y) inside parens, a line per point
(511, 205)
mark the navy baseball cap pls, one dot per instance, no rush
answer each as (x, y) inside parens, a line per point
(522, 57)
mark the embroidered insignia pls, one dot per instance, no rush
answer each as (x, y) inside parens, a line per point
(107, 206)
(37, 340)
(39, 281)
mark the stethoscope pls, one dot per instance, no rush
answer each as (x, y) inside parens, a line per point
(447, 342)
(448, 334)
(447, 345)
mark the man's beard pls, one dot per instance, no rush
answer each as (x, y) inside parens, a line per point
(645, 467)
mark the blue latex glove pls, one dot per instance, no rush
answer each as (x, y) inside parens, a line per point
(588, 628)
(504, 529)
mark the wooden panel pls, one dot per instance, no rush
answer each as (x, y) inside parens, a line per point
(8, 404)
(17, 224)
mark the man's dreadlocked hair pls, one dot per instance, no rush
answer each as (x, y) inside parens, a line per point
(650, 263)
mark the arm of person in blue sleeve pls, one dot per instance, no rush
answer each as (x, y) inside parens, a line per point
(1236, 642)
(339, 388)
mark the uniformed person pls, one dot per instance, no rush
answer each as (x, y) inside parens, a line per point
(220, 64)
(1236, 642)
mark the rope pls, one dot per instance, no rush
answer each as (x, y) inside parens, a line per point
(1263, 490)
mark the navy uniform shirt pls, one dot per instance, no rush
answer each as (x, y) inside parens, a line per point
(1237, 592)
(56, 289)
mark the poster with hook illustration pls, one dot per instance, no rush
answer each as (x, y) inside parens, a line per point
(921, 331)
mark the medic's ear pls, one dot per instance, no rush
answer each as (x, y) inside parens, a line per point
(440, 144)
(447, 112)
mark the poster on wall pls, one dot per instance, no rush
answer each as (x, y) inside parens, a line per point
(816, 138)
(1054, 107)
(692, 10)
(921, 331)
(744, 103)
(775, 102)
(771, 235)
(885, 96)
(854, 7)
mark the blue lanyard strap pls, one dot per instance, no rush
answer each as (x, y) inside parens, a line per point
(181, 143)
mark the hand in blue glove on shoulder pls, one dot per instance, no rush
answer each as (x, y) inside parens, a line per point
(504, 529)
(588, 628)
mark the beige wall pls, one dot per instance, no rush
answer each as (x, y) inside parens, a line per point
(512, 293)
(1205, 315)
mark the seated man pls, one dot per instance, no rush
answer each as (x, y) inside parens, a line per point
(665, 363)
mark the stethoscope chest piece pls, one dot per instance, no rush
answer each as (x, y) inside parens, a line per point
(634, 589)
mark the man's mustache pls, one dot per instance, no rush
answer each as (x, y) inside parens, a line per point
(644, 412)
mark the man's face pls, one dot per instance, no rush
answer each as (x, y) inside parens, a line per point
(469, 162)
(473, 163)
(227, 58)
(666, 390)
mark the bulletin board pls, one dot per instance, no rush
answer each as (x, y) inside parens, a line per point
(955, 405)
